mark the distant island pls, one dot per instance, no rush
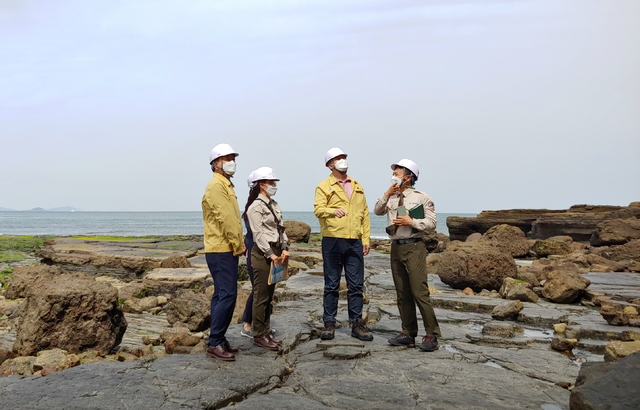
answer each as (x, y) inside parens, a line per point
(38, 209)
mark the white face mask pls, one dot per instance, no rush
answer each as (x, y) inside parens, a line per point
(229, 168)
(396, 180)
(271, 190)
(341, 165)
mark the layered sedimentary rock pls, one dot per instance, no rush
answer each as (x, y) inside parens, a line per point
(578, 222)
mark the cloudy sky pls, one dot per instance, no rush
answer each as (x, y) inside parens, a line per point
(115, 105)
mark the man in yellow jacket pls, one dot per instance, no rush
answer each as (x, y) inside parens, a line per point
(223, 244)
(341, 209)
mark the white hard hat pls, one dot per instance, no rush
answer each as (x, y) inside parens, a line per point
(250, 180)
(221, 150)
(264, 173)
(332, 153)
(410, 165)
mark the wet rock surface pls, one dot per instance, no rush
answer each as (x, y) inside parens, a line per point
(480, 363)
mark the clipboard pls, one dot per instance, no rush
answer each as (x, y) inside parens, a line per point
(278, 273)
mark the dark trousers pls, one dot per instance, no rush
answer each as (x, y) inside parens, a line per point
(224, 271)
(262, 291)
(248, 308)
(409, 270)
(338, 254)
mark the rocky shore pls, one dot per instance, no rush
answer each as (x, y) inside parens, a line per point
(527, 323)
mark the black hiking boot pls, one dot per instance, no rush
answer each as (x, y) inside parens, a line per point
(402, 339)
(429, 343)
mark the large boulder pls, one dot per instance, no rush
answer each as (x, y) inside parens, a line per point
(193, 309)
(24, 276)
(616, 232)
(509, 239)
(71, 312)
(476, 265)
(297, 231)
(613, 386)
(564, 286)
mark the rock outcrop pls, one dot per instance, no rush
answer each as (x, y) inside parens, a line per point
(71, 312)
(476, 265)
(578, 222)
(616, 232)
(297, 231)
(127, 261)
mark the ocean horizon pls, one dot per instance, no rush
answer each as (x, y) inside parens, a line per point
(146, 223)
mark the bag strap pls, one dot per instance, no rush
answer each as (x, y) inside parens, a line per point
(278, 221)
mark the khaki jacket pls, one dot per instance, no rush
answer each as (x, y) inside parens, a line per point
(222, 224)
(329, 197)
(412, 198)
(264, 226)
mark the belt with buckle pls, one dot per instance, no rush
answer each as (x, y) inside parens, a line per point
(403, 241)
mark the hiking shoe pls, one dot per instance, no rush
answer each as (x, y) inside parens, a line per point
(247, 333)
(429, 343)
(329, 331)
(402, 339)
(359, 329)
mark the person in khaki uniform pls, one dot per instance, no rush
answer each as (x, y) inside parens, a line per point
(341, 209)
(223, 244)
(409, 254)
(271, 242)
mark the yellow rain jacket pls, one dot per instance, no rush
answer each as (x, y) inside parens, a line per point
(222, 224)
(330, 196)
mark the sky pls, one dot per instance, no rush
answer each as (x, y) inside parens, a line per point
(114, 105)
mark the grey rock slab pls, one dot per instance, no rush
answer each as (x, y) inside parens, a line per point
(537, 361)
(540, 316)
(622, 284)
(326, 344)
(189, 381)
(398, 377)
(346, 352)
(286, 401)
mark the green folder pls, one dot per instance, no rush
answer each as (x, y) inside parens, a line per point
(416, 213)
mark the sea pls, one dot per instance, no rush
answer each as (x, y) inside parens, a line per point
(147, 223)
